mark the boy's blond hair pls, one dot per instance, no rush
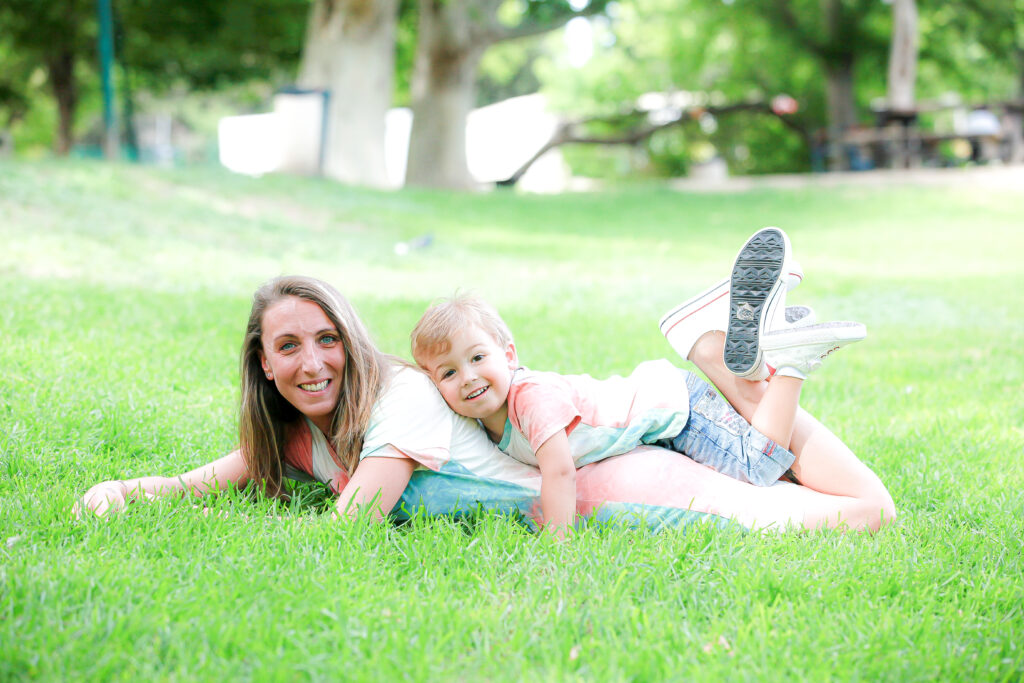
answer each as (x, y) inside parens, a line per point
(433, 333)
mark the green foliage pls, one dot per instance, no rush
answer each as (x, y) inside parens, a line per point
(977, 46)
(405, 51)
(507, 70)
(161, 45)
(125, 293)
(747, 49)
(717, 54)
(755, 143)
(14, 95)
(209, 45)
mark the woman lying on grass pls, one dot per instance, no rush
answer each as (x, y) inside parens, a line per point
(319, 401)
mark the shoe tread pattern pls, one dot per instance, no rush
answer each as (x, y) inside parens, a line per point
(755, 272)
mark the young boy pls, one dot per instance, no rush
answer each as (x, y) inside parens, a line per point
(562, 422)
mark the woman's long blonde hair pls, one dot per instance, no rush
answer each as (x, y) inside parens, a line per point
(264, 412)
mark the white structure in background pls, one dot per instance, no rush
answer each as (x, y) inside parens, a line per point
(397, 128)
(301, 121)
(503, 136)
(499, 139)
(252, 144)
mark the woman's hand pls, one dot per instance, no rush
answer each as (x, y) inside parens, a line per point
(210, 478)
(101, 498)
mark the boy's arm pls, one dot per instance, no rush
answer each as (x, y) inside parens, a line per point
(558, 484)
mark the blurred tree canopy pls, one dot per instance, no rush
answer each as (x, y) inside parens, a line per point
(211, 44)
(160, 44)
(830, 55)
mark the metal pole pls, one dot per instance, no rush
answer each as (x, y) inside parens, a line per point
(325, 123)
(106, 45)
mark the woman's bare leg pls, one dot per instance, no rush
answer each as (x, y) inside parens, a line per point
(856, 496)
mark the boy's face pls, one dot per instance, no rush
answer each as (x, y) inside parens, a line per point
(475, 374)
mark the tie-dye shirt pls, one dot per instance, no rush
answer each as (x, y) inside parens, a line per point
(602, 417)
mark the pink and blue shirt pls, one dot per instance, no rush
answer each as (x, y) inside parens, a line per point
(601, 417)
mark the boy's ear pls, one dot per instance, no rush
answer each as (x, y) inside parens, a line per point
(511, 356)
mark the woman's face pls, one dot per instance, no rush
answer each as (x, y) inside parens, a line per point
(303, 354)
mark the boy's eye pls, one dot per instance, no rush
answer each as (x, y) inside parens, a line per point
(447, 373)
(478, 357)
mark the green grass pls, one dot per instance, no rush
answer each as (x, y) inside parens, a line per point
(124, 295)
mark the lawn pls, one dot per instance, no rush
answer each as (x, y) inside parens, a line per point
(125, 294)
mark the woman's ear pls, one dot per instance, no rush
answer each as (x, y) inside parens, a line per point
(266, 366)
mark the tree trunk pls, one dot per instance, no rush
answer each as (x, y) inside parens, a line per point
(443, 91)
(1015, 119)
(452, 36)
(842, 107)
(61, 71)
(350, 52)
(1019, 53)
(903, 56)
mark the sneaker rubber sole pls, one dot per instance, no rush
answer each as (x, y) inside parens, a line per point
(755, 291)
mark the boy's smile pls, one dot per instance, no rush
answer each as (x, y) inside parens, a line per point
(474, 375)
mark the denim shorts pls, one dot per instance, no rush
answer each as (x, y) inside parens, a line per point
(717, 436)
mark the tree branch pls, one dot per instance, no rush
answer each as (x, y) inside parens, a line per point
(567, 131)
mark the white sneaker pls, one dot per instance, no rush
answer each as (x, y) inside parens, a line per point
(796, 316)
(799, 351)
(757, 299)
(687, 322)
(709, 311)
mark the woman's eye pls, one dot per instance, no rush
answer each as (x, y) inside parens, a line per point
(328, 339)
(287, 346)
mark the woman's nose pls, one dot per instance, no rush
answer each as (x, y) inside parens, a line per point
(311, 361)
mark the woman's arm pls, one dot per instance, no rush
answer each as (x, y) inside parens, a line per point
(212, 477)
(377, 484)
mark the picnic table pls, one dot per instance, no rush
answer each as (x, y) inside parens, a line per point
(897, 139)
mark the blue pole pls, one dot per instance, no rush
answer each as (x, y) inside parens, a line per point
(106, 45)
